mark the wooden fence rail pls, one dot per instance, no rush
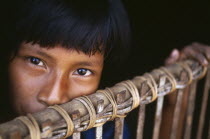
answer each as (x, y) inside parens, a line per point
(116, 102)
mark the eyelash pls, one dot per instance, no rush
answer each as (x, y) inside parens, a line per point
(30, 58)
(87, 70)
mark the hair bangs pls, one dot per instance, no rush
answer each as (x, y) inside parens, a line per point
(56, 24)
(87, 26)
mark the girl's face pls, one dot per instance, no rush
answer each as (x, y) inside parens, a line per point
(40, 77)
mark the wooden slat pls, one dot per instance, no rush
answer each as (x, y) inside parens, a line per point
(141, 114)
(75, 115)
(204, 105)
(99, 132)
(176, 113)
(158, 118)
(178, 106)
(119, 124)
(158, 114)
(76, 135)
(140, 126)
(100, 108)
(190, 110)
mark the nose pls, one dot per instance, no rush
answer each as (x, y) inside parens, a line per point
(54, 91)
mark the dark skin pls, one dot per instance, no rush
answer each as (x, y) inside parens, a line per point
(40, 77)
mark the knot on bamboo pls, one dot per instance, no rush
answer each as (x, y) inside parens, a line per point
(94, 110)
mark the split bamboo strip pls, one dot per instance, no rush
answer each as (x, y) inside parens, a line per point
(176, 114)
(158, 114)
(140, 126)
(119, 124)
(204, 105)
(190, 110)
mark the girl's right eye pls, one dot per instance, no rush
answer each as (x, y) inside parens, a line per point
(36, 61)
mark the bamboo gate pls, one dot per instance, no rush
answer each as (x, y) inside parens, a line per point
(116, 102)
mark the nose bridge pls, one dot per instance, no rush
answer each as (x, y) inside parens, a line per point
(54, 90)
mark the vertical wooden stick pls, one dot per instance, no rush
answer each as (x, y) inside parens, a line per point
(158, 114)
(75, 115)
(119, 122)
(190, 110)
(176, 115)
(140, 127)
(76, 135)
(204, 105)
(141, 115)
(99, 130)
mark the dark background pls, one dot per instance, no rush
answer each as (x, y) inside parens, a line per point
(160, 26)
(157, 28)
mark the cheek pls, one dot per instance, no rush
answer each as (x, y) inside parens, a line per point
(23, 84)
(24, 90)
(80, 88)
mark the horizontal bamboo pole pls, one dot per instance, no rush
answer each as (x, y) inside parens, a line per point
(52, 124)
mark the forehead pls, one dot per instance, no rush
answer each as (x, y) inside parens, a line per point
(60, 53)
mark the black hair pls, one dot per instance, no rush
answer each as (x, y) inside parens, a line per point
(85, 25)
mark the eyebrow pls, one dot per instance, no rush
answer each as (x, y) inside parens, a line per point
(87, 63)
(28, 48)
(79, 63)
(44, 54)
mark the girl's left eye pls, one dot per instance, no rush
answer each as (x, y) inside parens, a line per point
(83, 72)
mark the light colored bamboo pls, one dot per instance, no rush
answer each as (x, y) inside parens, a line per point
(158, 114)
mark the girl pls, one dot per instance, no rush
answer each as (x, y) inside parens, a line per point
(58, 50)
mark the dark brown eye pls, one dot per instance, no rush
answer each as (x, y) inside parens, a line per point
(36, 61)
(83, 72)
